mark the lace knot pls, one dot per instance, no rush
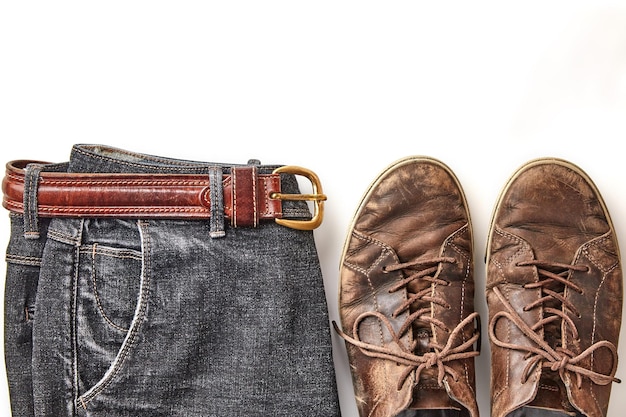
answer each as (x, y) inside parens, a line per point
(456, 347)
(560, 365)
(540, 353)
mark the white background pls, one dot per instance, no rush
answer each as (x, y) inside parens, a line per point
(342, 87)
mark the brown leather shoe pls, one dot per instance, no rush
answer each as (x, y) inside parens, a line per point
(554, 292)
(407, 295)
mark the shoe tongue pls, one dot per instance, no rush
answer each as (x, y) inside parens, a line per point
(530, 411)
(433, 403)
(551, 399)
(443, 412)
(429, 399)
(422, 337)
(428, 395)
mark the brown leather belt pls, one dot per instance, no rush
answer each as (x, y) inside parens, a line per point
(248, 196)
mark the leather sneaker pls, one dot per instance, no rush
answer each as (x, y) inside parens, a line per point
(407, 295)
(554, 293)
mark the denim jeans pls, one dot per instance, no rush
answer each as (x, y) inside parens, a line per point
(116, 317)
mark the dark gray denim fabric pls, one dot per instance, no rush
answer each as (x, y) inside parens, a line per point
(111, 317)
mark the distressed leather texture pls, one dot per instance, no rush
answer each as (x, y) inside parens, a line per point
(554, 293)
(247, 195)
(407, 295)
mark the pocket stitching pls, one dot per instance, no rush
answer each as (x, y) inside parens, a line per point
(94, 280)
(135, 326)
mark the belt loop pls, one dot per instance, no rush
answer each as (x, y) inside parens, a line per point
(31, 187)
(216, 196)
(245, 200)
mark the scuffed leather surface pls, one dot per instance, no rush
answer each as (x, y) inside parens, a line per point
(145, 195)
(414, 210)
(550, 210)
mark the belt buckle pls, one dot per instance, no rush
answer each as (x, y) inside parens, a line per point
(317, 197)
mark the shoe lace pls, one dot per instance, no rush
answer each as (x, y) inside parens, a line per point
(439, 356)
(553, 282)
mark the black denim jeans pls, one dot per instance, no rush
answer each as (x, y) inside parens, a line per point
(154, 317)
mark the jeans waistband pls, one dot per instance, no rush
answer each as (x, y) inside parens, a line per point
(101, 181)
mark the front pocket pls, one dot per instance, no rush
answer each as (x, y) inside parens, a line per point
(108, 293)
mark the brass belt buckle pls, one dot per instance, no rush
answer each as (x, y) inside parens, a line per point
(317, 197)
